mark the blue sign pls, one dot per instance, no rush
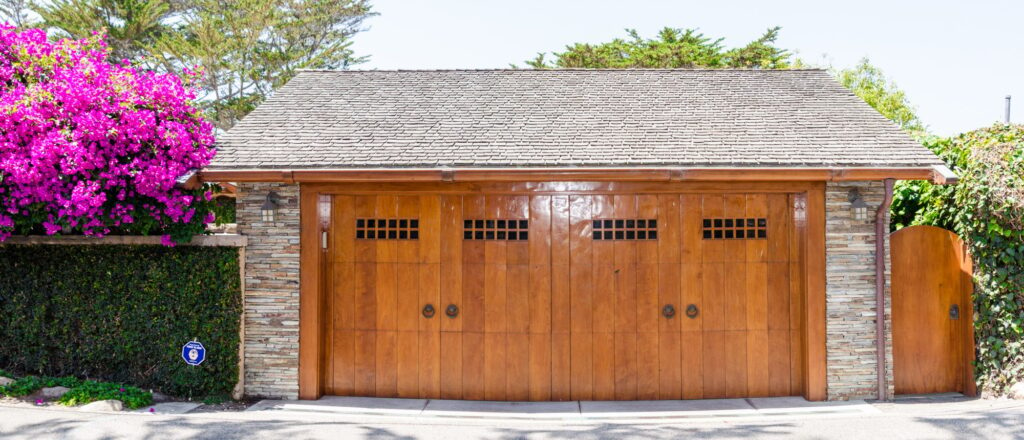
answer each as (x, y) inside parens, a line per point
(193, 353)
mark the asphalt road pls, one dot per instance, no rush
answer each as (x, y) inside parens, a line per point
(973, 419)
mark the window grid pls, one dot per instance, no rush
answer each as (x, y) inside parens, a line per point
(387, 229)
(496, 229)
(626, 229)
(735, 228)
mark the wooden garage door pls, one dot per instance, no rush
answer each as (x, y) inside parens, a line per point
(563, 296)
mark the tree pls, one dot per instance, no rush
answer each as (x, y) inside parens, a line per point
(870, 84)
(674, 48)
(131, 26)
(93, 147)
(248, 48)
(14, 12)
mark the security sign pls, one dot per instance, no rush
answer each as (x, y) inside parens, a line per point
(193, 353)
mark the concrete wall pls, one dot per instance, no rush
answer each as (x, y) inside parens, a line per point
(271, 324)
(850, 294)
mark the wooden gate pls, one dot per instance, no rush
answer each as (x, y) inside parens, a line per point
(932, 312)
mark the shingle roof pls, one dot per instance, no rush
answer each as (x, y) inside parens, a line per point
(565, 118)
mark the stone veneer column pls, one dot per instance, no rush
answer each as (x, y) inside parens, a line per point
(850, 294)
(271, 303)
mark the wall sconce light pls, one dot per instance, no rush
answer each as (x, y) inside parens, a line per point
(858, 205)
(268, 211)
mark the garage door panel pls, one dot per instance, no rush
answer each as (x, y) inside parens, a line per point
(581, 265)
(343, 292)
(407, 286)
(473, 366)
(471, 310)
(670, 365)
(691, 242)
(712, 207)
(582, 367)
(758, 374)
(692, 292)
(669, 293)
(648, 208)
(451, 362)
(735, 363)
(604, 365)
(407, 364)
(606, 284)
(408, 208)
(495, 368)
(714, 363)
(757, 296)
(451, 258)
(648, 298)
(540, 230)
(386, 207)
(561, 366)
(734, 251)
(779, 362)
(429, 290)
(517, 355)
(365, 250)
(365, 362)
(386, 289)
(495, 297)
(343, 214)
(779, 226)
(343, 366)
(540, 298)
(365, 296)
(540, 367)
(386, 377)
(429, 363)
(648, 381)
(692, 368)
(518, 298)
(714, 296)
(625, 365)
(735, 280)
(625, 306)
(670, 230)
(778, 296)
(756, 208)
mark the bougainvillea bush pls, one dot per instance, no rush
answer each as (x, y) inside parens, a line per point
(94, 147)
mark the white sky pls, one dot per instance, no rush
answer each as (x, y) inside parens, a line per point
(956, 60)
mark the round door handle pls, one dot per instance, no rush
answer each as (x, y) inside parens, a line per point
(428, 311)
(691, 311)
(669, 311)
(452, 311)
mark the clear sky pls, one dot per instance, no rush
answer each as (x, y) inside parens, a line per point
(956, 60)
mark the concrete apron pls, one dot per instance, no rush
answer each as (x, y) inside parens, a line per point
(572, 411)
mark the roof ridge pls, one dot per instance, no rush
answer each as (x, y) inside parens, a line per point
(617, 69)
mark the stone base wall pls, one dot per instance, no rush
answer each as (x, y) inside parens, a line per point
(850, 294)
(271, 324)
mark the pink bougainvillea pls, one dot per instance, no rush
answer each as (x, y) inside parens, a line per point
(93, 147)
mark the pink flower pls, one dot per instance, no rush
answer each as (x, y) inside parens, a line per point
(121, 389)
(84, 140)
(152, 410)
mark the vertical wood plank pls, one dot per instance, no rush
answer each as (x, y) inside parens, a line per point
(692, 343)
(386, 364)
(474, 347)
(451, 365)
(365, 363)
(407, 373)
(561, 371)
(581, 297)
(451, 261)
(517, 380)
(540, 366)
(495, 366)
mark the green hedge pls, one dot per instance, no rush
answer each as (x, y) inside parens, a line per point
(122, 313)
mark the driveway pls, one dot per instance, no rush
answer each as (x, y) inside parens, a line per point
(912, 419)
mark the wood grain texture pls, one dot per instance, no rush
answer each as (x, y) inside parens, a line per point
(562, 316)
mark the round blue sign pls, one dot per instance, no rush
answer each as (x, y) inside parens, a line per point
(193, 353)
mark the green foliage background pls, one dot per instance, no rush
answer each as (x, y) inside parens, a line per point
(122, 313)
(987, 210)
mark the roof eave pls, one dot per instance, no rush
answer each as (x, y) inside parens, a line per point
(939, 174)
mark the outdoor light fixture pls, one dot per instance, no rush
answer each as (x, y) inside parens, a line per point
(857, 204)
(269, 209)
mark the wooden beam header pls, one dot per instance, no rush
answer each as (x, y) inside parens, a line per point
(938, 174)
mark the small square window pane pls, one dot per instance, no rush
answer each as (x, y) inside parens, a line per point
(501, 235)
(402, 235)
(609, 235)
(403, 223)
(641, 235)
(490, 224)
(707, 223)
(414, 235)
(360, 234)
(414, 223)
(707, 234)
(468, 235)
(513, 235)
(652, 223)
(501, 224)
(524, 224)
(371, 223)
(718, 223)
(761, 233)
(728, 222)
(739, 222)
(630, 235)
(479, 224)
(718, 234)
(728, 233)
(641, 223)
(739, 233)
(652, 235)
(608, 224)
(467, 224)
(750, 223)
(620, 235)
(392, 235)
(630, 224)
(393, 223)
(761, 222)
(360, 223)
(479, 235)
(372, 235)
(597, 224)
(524, 235)
(620, 223)
(489, 235)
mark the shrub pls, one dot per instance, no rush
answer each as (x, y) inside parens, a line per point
(987, 210)
(122, 314)
(92, 147)
(30, 384)
(91, 391)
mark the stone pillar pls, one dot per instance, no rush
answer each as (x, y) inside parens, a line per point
(850, 294)
(271, 302)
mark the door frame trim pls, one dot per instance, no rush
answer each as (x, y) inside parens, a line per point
(312, 301)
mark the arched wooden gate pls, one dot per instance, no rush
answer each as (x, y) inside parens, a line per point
(932, 312)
